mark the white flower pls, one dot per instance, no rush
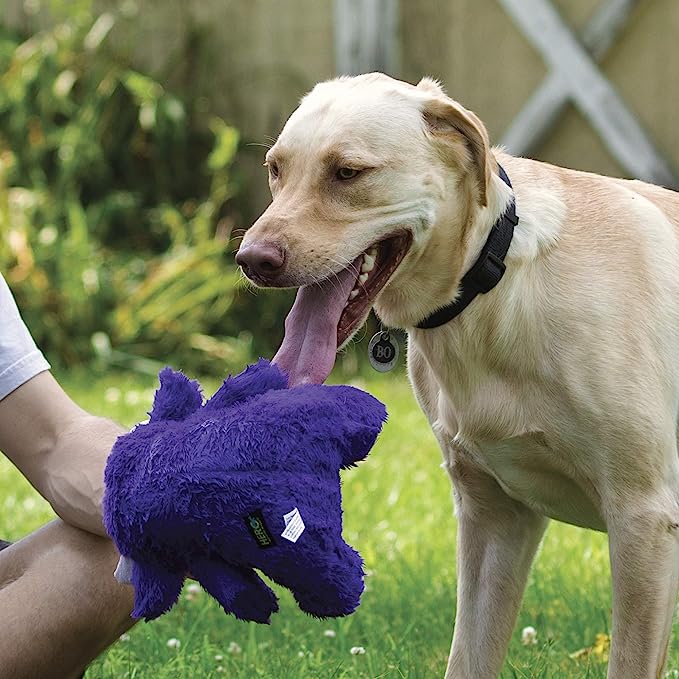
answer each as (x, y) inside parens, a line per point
(101, 343)
(672, 674)
(173, 643)
(124, 637)
(47, 235)
(234, 648)
(357, 650)
(132, 397)
(330, 633)
(112, 395)
(219, 668)
(219, 658)
(300, 654)
(66, 152)
(90, 279)
(529, 636)
(192, 591)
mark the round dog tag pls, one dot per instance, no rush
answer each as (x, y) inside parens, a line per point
(383, 351)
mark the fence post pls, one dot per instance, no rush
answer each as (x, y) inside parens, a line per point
(365, 36)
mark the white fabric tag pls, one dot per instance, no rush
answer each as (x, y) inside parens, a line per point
(294, 526)
(123, 572)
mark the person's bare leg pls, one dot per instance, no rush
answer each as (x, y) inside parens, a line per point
(60, 602)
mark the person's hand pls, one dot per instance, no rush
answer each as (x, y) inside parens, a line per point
(59, 448)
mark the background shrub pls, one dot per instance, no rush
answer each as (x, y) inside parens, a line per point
(115, 221)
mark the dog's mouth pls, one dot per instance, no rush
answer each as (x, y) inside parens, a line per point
(326, 315)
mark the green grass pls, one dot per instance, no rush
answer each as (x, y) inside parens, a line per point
(398, 514)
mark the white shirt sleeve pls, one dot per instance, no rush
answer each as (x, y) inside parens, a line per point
(20, 358)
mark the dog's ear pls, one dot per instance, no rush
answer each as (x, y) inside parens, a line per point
(432, 86)
(450, 123)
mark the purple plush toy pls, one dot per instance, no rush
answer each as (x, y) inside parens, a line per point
(247, 480)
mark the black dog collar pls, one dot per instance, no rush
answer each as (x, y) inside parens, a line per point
(488, 269)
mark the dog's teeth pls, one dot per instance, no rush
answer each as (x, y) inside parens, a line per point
(372, 252)
(368, 264)
(363, 278)
(353, 294)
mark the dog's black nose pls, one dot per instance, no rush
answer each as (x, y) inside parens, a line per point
(261, 261)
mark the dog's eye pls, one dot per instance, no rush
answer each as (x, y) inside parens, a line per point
(273, 169)
(345, 173)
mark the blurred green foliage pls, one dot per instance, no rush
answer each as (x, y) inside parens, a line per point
(114, 208)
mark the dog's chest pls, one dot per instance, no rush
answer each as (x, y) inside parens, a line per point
(531, 471)
(504, 424)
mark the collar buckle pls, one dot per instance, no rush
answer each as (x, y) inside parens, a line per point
(486, 272)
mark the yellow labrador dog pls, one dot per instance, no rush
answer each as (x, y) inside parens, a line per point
(553, 392)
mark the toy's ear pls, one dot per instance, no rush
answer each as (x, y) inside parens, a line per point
(255, 379)
(176, 398)
(363, 417)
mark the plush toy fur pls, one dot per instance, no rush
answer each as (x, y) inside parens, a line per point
(204, 489)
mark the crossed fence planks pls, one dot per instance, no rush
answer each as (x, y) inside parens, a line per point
(365, 38)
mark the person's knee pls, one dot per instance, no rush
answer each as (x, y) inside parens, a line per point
(82, 564)
(86, 562)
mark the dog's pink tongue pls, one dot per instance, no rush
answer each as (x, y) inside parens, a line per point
(308, 351)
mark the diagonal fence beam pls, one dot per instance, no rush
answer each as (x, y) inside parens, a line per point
(546, 105)
(603, 28)
(590, 90)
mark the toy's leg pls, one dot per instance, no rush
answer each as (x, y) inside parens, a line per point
(239, 590)
(155, 590)
(335, 590)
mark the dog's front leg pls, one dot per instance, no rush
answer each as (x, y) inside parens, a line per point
(496, 542)
(644, 550)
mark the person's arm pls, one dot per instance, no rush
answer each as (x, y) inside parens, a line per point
(60, 448)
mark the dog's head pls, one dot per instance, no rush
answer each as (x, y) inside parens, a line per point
(360, 175)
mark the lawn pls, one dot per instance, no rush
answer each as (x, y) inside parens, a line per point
(398, 514)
